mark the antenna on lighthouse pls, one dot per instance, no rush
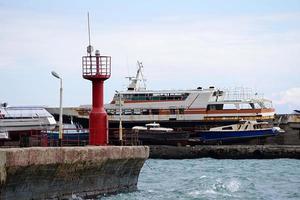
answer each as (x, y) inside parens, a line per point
(90, 47)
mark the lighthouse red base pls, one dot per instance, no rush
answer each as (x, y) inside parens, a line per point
(98, 117)
(98, 128)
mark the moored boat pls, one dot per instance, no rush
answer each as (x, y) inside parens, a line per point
(152, 127)
(245, 129)
(72, 134)
(17, 120)
(190, 109)
(154, 134)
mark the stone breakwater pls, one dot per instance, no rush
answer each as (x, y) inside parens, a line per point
(225, 152)
(59, 172)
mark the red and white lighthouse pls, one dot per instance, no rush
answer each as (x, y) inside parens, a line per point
(97, 68)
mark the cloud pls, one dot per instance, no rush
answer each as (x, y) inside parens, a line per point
(182, 52)
(289, 97)
(177, 51)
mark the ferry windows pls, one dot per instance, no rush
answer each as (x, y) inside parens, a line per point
(155, 112)
(135, 97)
(227, 128)
(215, 107)
(145, 112)
(257, 106)
(127, 111)
(229, 106)
(153, 97)
(267, 104)
(110, 111)
(137, 111)
(211, 107)
(218, 93)
(181, 111)
(172, 111)
(245, 106)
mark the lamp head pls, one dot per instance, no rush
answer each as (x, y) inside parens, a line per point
(55, 74)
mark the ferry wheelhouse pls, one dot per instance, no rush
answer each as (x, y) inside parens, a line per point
(200, 108)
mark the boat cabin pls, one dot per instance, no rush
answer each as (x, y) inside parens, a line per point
(243, 125)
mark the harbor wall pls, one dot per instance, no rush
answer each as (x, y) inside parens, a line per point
(225, 152)
(60, 172)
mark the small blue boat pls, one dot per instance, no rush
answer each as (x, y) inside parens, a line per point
(72, 134)
(243, 130)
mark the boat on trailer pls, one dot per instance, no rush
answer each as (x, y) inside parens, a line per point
(200, 108)
(153, 134)
(245, 129)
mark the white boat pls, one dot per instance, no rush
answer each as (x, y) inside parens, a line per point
(15, 119)
(153, 133)
(72, 134)
(294, 120)
(4, 135)
(152, 127)
(244, 129)
(185, 108)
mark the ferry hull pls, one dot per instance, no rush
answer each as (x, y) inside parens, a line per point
(192, 125)
(27, 124)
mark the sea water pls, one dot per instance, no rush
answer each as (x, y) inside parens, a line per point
(217, 179)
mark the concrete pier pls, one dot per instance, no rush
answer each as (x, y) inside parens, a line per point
(226, 152)
(59, 172)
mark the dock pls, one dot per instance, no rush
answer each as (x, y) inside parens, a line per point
(60, 172)
(226, 152)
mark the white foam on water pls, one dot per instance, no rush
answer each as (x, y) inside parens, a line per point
(233, 185)
(194, 194)
(209, 191)
(75, 197)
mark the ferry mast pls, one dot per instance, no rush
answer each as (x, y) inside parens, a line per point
(97, 68)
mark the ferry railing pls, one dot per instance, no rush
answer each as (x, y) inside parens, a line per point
(241, 93)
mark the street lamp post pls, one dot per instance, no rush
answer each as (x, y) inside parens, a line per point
(120, 116)
(60, 108)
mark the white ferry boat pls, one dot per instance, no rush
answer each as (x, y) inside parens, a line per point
(22, 119)
(200, 108)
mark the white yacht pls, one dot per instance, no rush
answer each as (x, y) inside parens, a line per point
(16, 119)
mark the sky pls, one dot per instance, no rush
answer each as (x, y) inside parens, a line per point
(182, 44)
